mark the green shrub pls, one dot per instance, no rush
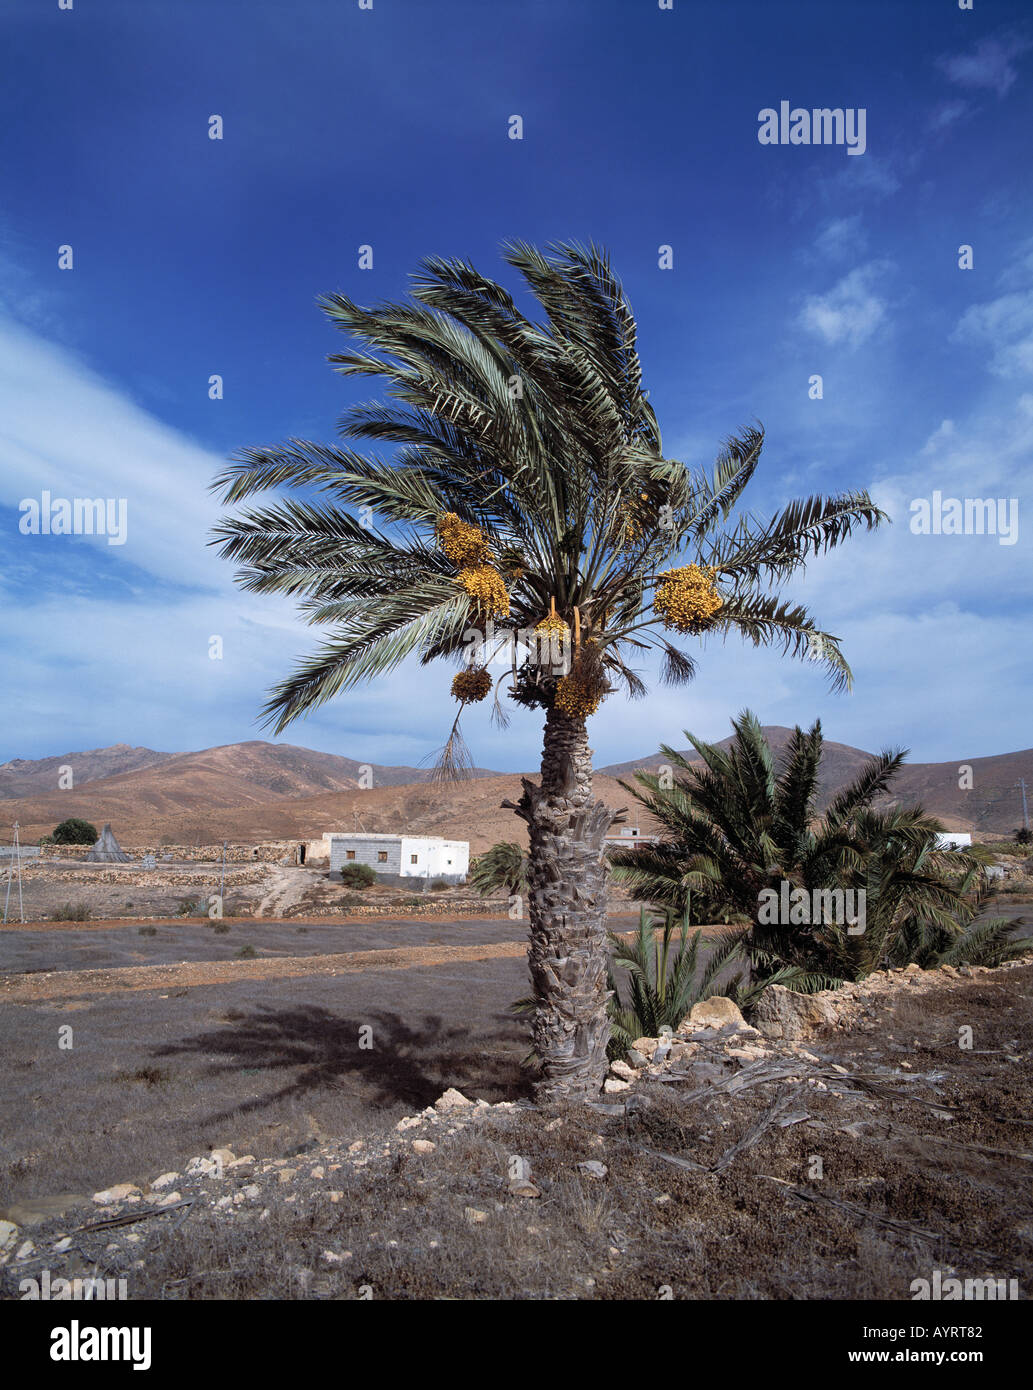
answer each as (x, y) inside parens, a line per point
(438, 886)
(247, 953)
(75, 831)
(73, 912)
(148, 931)
(358, 875)
(220, 926)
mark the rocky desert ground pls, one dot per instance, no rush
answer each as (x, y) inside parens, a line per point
(846, 1148)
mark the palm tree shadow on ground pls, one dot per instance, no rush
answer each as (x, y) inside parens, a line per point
(316, 1051)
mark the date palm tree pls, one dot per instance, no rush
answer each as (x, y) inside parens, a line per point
(529, 498)
(737, 825)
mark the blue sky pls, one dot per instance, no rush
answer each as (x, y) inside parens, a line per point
(389, 127)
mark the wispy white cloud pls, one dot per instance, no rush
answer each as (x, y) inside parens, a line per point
(852, 310)
(840, 238)
(948, 113)
(1005, 324)
(66, 430)
(990, 64)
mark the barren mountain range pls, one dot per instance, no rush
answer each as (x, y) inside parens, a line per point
(258, 791)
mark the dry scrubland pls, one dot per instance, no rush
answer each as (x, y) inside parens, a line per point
(54, 892)
(705, 1183)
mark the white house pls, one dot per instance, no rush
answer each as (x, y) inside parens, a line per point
(627, 836)
(954, 839)
(399, 859)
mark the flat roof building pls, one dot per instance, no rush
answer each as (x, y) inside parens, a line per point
(399, 859)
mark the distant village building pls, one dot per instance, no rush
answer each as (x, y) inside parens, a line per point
(627, 836)
(954, 839)
(399, 859)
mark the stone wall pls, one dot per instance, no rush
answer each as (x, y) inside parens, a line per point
(265, 852)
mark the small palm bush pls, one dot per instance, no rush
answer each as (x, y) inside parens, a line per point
(501, 869)
(662, 982)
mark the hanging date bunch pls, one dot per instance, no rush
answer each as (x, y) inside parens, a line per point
(463, 543)
(582, 690)
(472, 686)
(635, 520)
(687, 599)
(466, 546)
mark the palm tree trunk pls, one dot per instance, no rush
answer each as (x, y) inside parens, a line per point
(567, 908)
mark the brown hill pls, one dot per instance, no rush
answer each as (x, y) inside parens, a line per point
(181, 787)
(142, 815)
(32, 777)
(991, 805)
(261, 791)
(840, 764)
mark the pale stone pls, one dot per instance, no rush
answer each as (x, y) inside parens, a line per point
(523, 1187)
(782, 1013)
(170, 1200)
(622, 1071)
(119, 1193)
(452, 1100)
(593, 1169)
(423, 1146)
(318, 1171)
(223, 1156)
(24, 1250)
(716, 1012)
(475, 1216)
(163, 1181)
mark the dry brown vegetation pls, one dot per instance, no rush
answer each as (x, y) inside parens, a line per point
(924, 1150)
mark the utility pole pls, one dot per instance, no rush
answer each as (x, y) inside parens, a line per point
(1021, 784)
(16, 854)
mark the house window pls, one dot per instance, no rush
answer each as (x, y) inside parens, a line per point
(349, 854)
(414, 858)
(382, 856)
